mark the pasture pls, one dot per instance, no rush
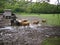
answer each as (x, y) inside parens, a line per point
(51, 41)
(51, 19)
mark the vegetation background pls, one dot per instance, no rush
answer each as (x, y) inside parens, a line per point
(28, 6)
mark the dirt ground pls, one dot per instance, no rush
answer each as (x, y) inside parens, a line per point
(27, 35)
(17, 35)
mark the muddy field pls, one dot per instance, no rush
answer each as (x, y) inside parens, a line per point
(14, 35)
(26, 36)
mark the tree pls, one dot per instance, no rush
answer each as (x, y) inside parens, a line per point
(2, 5)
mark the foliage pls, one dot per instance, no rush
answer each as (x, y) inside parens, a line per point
(29, 7)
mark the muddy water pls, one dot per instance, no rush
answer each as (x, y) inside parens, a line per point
(25, 35)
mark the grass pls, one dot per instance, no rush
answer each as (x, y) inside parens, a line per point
(52, 19)
(51, 41)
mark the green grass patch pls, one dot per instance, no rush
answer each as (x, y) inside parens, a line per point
(52, 19)
(51, 41)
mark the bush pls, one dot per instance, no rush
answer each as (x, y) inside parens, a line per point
(32, 7)
(1, 10)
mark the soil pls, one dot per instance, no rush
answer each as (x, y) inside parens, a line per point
(18, 35)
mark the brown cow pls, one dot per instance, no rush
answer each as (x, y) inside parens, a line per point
(23, 22)
(35, 22)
